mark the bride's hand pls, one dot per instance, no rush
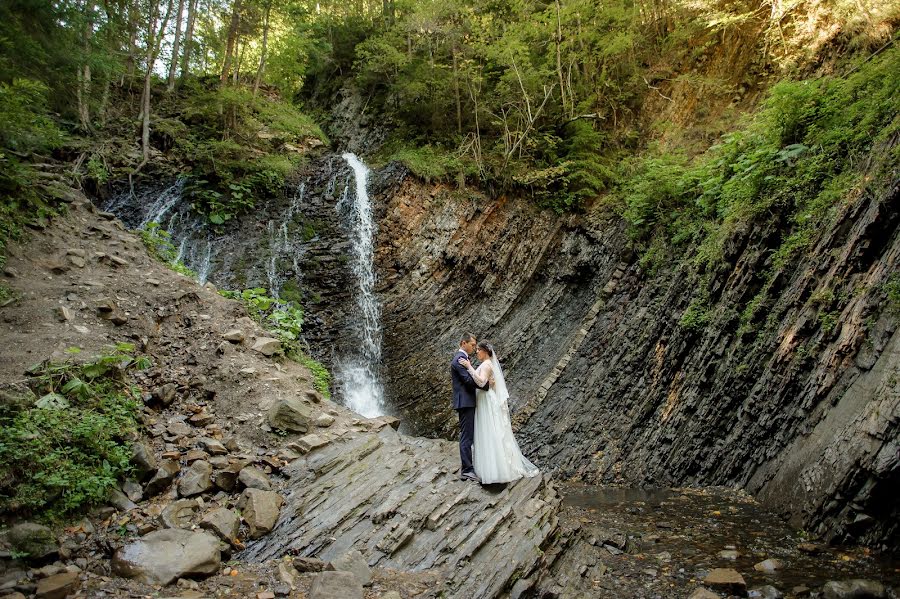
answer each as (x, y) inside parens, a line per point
(465, 363)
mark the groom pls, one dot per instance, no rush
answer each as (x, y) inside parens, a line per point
(464, 387)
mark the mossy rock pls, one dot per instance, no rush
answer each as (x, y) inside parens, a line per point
(33, 540)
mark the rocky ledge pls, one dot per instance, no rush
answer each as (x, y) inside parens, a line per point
(399, 501)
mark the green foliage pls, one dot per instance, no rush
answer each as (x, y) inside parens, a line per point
(792, 162)
(24, 128)
(66, 450)
(235, 146)
(828, 320)
(433, 162)
(24, 123)
(697, 314)
(891, 288)
(159, 245)
(321, 376)
(284, 319)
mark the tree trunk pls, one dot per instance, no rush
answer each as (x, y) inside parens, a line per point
(559, 69)
(232, 36)
(242, 45)
(154, 39)
(83, 91)
(456, 91)
(133, 14)
(188, 39)
(387, 12)
(173, 62)
(262, 56)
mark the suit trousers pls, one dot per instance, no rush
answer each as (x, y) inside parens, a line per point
(466, 436)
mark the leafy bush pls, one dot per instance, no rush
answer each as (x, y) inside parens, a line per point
(159, 245)
(432, 162)
(321, 376)
(66, 449)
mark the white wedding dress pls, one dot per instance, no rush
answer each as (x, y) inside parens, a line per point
(495, 452)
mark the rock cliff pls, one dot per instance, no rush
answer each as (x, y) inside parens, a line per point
(608, 383)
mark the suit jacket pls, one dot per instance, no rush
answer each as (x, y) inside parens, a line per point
(464, 385)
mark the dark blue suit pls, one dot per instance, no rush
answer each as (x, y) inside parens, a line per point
(464, 387)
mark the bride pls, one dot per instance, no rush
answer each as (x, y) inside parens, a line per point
(495, 453)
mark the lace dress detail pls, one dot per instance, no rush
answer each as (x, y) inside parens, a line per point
(495, 453)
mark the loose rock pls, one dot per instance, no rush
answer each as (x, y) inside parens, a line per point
(726, 579)
(335, 585)
(178, 514)
(854, 589)
(57, 586)
(260, 510)
(163, 556)
(353, 561)
(290, 414)
(223, 522)
(254, 478)
(267, 346)
(197, 479)
(168, 470)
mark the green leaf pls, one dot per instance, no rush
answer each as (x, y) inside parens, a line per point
(52, 401)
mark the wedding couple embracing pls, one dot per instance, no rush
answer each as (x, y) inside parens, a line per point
(487, 447)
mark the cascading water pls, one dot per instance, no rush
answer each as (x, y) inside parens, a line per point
(164, 203)
(363, 392)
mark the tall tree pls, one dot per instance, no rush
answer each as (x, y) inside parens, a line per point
(83, 90)
(173, 62)
(189, 38)
(265, 46)
(232, 38)
(154, 40)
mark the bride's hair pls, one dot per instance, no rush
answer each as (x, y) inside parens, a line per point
(486, 347)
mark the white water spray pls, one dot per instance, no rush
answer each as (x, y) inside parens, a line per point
(206, 264)
(363, 391)
(165, 202)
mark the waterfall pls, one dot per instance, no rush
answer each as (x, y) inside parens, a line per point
(206, 264)
(359, 378)
(165, 202)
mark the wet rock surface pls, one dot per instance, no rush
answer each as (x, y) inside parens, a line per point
(617, 542)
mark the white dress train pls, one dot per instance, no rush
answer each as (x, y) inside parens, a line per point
(495, 453)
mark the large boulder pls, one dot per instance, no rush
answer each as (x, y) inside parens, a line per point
(335, 585)
(164, 556)
(34, 540)
(197, 479)
(58, 586)
(854, 589)
(355, 563)
(290, 414)
(260, 510)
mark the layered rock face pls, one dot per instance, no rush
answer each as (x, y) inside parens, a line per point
(399, 501)
(801, 407)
